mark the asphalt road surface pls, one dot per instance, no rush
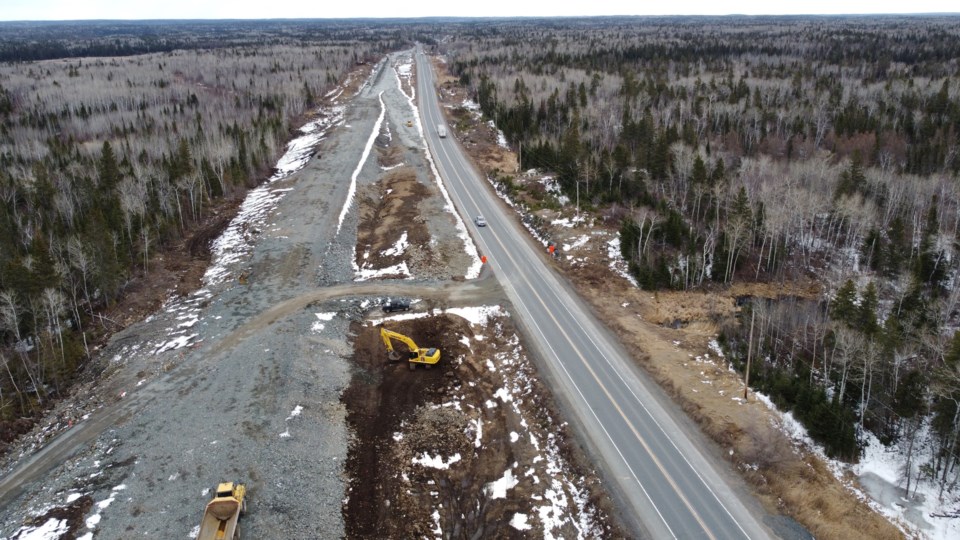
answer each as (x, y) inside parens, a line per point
(666, 486)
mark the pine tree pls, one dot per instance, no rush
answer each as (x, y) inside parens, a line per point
(107, 167)
(866, 314)
(852, 180)
(843, 306)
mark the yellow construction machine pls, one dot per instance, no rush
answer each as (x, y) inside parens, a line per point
(223, 512)
(417, 355)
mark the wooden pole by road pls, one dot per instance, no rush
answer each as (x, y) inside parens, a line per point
(746, 383)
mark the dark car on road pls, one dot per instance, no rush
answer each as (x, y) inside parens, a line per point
(396, 304)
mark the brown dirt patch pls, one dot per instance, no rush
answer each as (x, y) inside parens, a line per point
(381, 395)
(357, 77)
(443, 77)
(390, 156)
(387, 210)
(437, 411)
(72, 513)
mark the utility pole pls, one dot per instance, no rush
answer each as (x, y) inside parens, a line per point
(577, 182)
(746, 383)
(520, 156)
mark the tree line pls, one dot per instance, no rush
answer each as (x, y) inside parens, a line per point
(25, 41)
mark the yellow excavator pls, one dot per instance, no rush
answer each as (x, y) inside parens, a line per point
(417, 355)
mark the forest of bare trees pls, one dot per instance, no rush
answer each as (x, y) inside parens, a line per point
(767, 149)
(106, 160)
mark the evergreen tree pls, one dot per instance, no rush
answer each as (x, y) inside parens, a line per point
(852, 180)
(843, 306)
(866, 312)
(930, 267)
(108, 169)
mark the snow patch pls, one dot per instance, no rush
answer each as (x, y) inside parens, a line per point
(399, 269)
(478, 429)
(397, 248)
(578, 243)
(519, 522)
(501, 138)
(295, 412)
(617, 263)
(52, 529)
(478, 315)
(437, 530)
(175, 343)
(318, 325)
(498, 488)
(363, 159)
(436, 462)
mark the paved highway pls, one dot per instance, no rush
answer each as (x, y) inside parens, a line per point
(664, 484)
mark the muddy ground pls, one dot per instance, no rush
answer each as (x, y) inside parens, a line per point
(389, 214)
(383, 395)
(483, 383)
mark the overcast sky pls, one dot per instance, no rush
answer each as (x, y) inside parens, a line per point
(15, 10)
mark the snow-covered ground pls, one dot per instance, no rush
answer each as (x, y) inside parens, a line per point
(501, 138)
(617, 262)
(880, 473)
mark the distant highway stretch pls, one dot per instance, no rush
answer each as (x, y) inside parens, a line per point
(666, 486)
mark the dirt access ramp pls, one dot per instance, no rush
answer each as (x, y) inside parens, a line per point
(468, 449)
